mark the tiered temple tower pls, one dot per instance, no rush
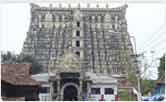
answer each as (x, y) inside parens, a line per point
(97, 36)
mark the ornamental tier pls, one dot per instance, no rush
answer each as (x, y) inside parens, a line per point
(97, 36)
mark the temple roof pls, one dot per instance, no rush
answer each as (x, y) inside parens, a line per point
(41, 77)
(101, 78)
(17, 74)
(13, 98)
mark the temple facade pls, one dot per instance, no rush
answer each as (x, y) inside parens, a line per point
(71, 42)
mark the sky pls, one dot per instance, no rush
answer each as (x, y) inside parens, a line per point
(146, 22)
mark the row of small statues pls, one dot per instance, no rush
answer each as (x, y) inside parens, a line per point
(78, 5)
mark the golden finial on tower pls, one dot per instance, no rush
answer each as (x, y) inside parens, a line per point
(107, 5)
(69, 5)
(60, 5)
(79, 5)
(50, 5)
(88, 5)
(97, 5)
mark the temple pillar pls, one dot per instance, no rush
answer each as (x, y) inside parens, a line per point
(51, 90)
(80, 89)
(58, 89)
(88, 90)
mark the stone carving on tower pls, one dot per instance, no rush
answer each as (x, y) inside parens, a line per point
(97, 37)
(68, 62)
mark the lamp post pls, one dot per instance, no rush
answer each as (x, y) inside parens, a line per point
(137, 70)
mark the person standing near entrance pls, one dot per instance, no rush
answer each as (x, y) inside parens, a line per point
(102, 98)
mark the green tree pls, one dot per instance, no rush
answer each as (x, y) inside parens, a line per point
(8, 57)
(147, 86)
(125, 95)
(36, 67)
(161, 68)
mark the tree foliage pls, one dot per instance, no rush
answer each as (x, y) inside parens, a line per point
(161, 68)
(132, 76)
(9, 58)
(147, 86)
(126, 95)
(36, 67)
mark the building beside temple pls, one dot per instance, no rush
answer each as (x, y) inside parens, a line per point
(81, 49)
(17, 84)
(43, 79)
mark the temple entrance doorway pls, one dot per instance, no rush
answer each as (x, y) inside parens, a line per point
(70, 93)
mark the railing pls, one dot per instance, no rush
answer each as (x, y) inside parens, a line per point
(44, 97)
